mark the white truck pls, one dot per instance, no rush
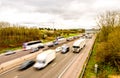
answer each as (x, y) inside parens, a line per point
(78, 45)
(44, 58)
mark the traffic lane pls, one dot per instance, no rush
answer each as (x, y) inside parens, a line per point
(76, 67)
(57, 66)
(26, 73)
(5, 58)
(51, 70)
(19, 54)
(48, 72)
(31, 72)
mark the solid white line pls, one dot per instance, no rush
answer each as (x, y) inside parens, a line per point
(16, 77)
(67, 66)
(9, 70)
(2, 54)
(54, 64)
(66, 54)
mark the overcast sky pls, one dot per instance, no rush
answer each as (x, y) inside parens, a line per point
(55, 13)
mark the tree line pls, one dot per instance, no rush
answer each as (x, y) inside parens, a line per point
(14, 35)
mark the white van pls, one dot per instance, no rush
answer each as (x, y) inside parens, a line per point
(78, 45)
(43, 59)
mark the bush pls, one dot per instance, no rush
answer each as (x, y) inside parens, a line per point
(108, 48)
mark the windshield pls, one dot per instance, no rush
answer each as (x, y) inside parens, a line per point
(41, 61)
(76, 47)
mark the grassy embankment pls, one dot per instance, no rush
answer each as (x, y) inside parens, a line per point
(103, 71)
(106, 51)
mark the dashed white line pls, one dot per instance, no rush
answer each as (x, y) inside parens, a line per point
(54, 64)
(66, 54)
(16, 77)
(8, 70)
(67, 66)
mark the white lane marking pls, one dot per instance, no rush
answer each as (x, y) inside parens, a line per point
(18, 66)
(54, 64)
(67, 66)
(2, 54)
(66, 54)
(16, 77)
(9, 70)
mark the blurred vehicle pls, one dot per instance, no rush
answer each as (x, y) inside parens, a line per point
(65, 48)
(50, 44)
(58, 49)
(89, 36)
(75, 37)
(34, 50)
(60, 38)
(9, 52)
(33, 44)
(69, 39)
(44, 58)
(55, 42)
(26, 64)
(78, 45)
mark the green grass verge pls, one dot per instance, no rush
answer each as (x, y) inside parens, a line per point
(103, 70)
(89, 72)
(70, 35)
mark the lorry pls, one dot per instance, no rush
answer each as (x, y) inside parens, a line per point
(44, 58)
(78, 45)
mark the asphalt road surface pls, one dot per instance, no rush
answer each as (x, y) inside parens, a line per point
(53, 70)
(5, 58)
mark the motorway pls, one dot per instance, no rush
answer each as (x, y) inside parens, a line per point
(53, 70)
(6, 58)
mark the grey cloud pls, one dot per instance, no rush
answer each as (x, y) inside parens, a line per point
(58, 7)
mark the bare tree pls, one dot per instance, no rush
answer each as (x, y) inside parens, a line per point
(4, 24)
(109, 18)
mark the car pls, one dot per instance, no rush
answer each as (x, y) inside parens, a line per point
(60, 38)
(26, 64)
(50, 44)
(55, 42)
(9, 52)
(34, 50)
(75, 37)
(65, 48)
(41, 46)
(58, 49)
(69, 39)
